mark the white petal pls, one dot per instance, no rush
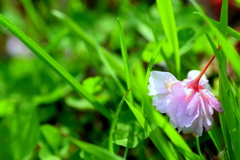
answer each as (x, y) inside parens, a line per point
(173, 124)
(157, 80)
(194, 73)
(199, 126)
(159, 102)
(172, 107)
(177, 90)
(186, 130)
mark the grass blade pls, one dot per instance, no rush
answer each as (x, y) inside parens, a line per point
(224, 18)
(169, 26)
(198, 148)
(44, 56)
(114, 122)
(175, 137)
(58, 37)
(96, 151)
(227, 48)
(230, 31)
(160, 141)
(125, 59)
(229, 129)
(33, 14)
(91, 45)
(153, 59)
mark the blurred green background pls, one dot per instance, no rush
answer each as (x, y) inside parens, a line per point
(39, 110)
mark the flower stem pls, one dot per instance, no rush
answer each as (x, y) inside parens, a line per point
(204, 69)
(196, 81)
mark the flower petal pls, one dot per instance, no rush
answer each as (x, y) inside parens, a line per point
(213, 102)
(186, 115)
(159, 102)
(193, 103)
(194, 73)
(157, 80)
(206, 114)
(172, 107)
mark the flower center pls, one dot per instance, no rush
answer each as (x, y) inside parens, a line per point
(169, 83)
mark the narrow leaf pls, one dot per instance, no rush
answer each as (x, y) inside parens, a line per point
(169, 26)
(53, 64)
(125, 59)
(96, 151)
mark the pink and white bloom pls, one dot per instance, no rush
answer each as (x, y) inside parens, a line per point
(188, 103)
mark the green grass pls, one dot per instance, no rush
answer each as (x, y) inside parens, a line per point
(82, 91)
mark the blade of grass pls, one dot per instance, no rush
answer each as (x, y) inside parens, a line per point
(174, 136)
(230, 132)
(160, 141)
(91, 45)
(198, 148)
(169, 26)
(56, 39)
(230, 31)
(150, 65)
(156, 118)
(214, 134)
(114, 122)
(96, 151)
(223, 29)
(125, 59)
(35, 17)
(224, 18)
(44, 56)
(227, 48)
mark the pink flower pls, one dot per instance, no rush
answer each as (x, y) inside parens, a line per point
(188, 103)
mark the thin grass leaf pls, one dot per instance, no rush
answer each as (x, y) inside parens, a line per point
(230, 31)
(33, 14)
(57, 38)
(154, 117)
(174, 136)
(91, 45)
(114, 122)
(230, 132)
(160, 141)
(198, 148)
(125, 59)
(44, 56)
(224, 18)
(228, 49)
(230, 129)
(150, 65)
(214, 134)
(96, 151)
(169, 26)
(223, 30)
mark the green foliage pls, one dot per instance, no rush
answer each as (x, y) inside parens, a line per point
(104, 111)
(169, 25)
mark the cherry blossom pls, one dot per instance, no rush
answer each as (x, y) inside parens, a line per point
(188, 103)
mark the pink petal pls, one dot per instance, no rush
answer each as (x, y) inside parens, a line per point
(196, 125)
(157, 80)
(206, 115)
(186, 118)
(193, 103)
(213, 102)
